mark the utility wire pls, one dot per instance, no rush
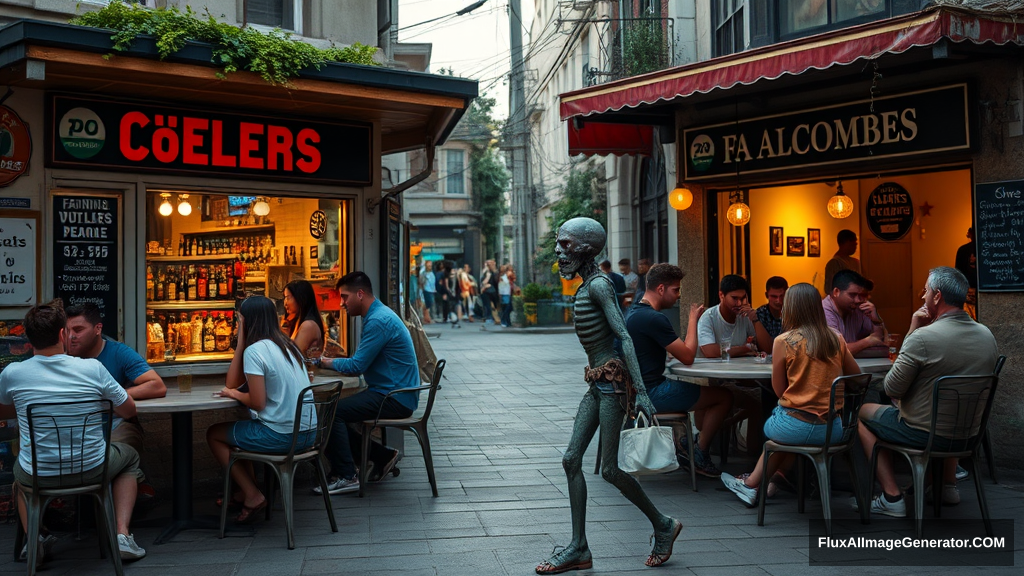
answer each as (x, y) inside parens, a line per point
(461, 12)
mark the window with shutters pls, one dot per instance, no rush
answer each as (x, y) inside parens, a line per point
(455, 172)
(729, 20)
(283, 14)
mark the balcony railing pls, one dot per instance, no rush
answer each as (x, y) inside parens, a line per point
(632, 46)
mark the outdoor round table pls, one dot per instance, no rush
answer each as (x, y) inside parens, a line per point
(746, 369)
(180, 407)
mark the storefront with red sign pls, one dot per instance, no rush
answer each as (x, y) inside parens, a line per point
(167, 194)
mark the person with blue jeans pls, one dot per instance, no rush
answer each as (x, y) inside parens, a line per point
(386, 359)
(653, 338)
(806, 358)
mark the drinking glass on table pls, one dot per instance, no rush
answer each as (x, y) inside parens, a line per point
(311, 364)
(892, 340)
(185, 380)
(724, 345)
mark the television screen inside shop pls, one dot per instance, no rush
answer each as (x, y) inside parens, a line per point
(206, 253)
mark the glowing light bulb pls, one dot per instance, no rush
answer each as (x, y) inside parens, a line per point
(680, 198)
(165, 207)
(184, 207)
(738, 214)
(840, 205)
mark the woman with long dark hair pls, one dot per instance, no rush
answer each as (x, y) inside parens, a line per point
(271, 367)
(303, 323)
(806, 358)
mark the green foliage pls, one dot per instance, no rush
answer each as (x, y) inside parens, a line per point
(274, 55)
(644, 48)
(489, 175)
(580, 197)
(533, 292)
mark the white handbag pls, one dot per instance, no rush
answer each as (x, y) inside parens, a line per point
(647, 449)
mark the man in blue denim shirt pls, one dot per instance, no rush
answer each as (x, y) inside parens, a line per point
(387, 361)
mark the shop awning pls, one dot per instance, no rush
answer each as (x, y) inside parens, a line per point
(412, 107)
(591, 108)
(602, 139)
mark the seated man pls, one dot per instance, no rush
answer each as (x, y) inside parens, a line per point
(770, 314)
(733, 320)
(86, 340)
(387, 361)
(617, 281)
(52, 376)
(943, 341)
(652, 336)
(849, 312)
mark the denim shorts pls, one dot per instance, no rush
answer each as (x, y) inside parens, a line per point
(428, 299)
(784, 428)
(255, 436)
(889, 427)
(674, 396)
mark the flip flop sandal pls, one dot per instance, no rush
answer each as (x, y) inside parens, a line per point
(249, 515)
(583, 563)
(656, 559)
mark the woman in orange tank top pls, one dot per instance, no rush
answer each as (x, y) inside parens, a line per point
(806, 358)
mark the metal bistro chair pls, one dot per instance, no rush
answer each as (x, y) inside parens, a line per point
(967, 401)
(986, 444)
(415, 424)
(852, 392)
(69, 425)
(677, 420)
(323, 399)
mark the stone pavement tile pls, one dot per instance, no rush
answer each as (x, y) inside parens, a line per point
(279, 567)
(515, 543)
(728, 571)
(375, 550)
(476, 563)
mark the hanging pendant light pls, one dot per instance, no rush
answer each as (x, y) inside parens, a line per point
(165, 207)
(184, 206)
(681, 198)
(840, 205)
(738, 214)
(261, 207)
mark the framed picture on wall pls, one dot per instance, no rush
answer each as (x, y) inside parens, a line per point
(794, 245)
(775, 245)
(813, 242)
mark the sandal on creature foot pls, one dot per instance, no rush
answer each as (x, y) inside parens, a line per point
(663, 548)
(566, 560)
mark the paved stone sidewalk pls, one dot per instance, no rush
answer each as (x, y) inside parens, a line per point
(499, 428)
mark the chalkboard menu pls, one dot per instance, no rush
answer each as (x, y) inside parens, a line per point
(86, 253)
(1000, 223)
(391, 266)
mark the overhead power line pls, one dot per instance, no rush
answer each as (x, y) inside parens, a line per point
(461, 12)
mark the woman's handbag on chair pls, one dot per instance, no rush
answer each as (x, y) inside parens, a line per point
(647, 449)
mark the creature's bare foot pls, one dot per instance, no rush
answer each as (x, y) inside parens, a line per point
(663, 543)
(571, 558)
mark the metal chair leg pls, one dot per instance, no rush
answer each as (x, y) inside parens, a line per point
(986, 446)
(982, 502)
(428, 457)
(858, 488)
(762, 492)
(227, 496)
(34, 511)
(111, 530)
(918, 467)
(822, 466)
(322, 477)
(689, 448)
(364, 458)
(286, 479)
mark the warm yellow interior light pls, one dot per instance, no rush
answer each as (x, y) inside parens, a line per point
(681, 198)
(738, 214)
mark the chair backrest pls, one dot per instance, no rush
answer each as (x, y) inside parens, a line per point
(435, 385)
(961, 404)
(999, 365)
(319, 399)
(79, 432)
(851, 389)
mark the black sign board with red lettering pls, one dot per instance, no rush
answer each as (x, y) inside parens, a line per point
(144, 137)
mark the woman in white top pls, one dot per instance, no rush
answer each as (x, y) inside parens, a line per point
(266, 375)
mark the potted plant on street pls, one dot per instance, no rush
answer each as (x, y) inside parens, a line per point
(533, 292)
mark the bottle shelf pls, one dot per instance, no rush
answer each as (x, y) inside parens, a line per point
(231, 229)
(198, 305)
(198, 357)
(187, 259)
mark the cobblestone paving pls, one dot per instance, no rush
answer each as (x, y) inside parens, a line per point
(499, 428)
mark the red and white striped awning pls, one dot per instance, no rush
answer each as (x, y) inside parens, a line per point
(838, 48)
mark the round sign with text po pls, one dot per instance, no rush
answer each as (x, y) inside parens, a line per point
(702, 152)
(82, 133)
(890, 211)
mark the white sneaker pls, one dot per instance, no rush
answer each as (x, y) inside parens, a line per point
(339, 486)
(897, 509)
(46, 544)
(745, 493)
(129, 549)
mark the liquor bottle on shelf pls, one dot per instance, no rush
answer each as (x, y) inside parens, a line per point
(222, 284)
(213, 287)
(202, 284)
(171, 332)
(192, 283)
(239, 278)
(161, 285)
(197, 334)
(149, 283)
(221, 333)
(209, 340)
(200, 250)
(181, 245)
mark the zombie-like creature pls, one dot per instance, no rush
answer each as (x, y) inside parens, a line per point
(615, 389)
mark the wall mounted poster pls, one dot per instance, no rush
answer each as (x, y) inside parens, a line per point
(19, 243)
(814, 242)
(775, 243)
(794, 246)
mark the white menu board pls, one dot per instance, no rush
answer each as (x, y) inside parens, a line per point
(18, 251)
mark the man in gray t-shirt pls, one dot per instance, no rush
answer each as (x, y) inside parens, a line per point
(733, 320)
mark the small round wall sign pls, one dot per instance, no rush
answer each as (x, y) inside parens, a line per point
(890, 211)
(15, 146)
(318, 224)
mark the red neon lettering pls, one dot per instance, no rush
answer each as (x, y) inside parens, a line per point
(304, 142)
(127, 121)
(279, 142)
(219, 158)
(191, 141)
(248, 145)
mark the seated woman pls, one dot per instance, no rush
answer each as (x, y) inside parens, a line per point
(271, 367)
(806, 358)
(303, 323)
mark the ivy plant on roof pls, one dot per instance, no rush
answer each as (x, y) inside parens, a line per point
(274, 55)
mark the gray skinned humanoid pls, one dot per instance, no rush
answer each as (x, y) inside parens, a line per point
(612, 379)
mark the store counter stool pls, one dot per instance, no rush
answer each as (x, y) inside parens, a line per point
(324, 399)
(71, 423)
(415, 424)
(972, 397)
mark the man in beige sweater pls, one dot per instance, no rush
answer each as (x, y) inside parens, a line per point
(943, 341)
